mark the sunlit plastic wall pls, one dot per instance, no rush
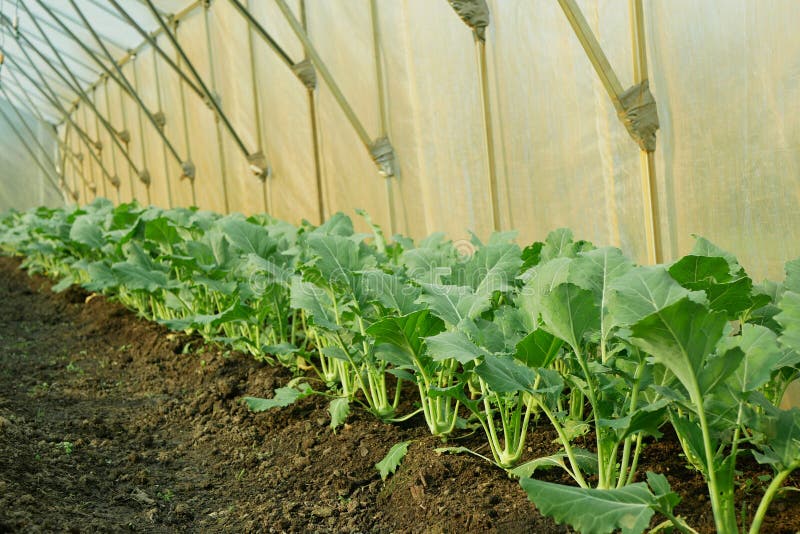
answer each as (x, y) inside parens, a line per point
(725, 75)
(23, 184)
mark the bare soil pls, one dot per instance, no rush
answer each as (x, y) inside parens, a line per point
(112, 423)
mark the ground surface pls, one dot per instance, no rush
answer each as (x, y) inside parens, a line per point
(110, 423)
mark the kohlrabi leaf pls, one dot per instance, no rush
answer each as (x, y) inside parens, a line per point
(453, 345)
(781, 446)
(493, 268)
(628, 509)
(315, 302)
(86, 231)
(392, 460)
(247, 237)
(283, 397)
(402, 338)
(504, 374)
(666, 498)
(339, 409)
(643, 291)
(138, 278)
(789, 319)
(393, 293)
(680, 337)
(762, 355)
(235, 312)
(570, 313)
(538, 349)
(454, 303)
(726, 291)
(586, 460)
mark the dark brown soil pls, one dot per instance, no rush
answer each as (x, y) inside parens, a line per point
(109, 423)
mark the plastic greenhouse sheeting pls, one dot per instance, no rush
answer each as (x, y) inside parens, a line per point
(725, 77)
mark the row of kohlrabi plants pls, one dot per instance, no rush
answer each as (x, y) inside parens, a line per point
(504, 340)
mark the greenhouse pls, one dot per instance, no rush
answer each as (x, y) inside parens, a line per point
(400, 266)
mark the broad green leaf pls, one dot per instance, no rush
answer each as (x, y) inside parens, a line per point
(247, 237)
(608, 264)
(392, 460)
(101, 277)
(283, 397)
(586, 460)
(558, 244)
(782, 438)
(592, 510)
(162, 231)
(680, 337)
(789, 319)
(792, 282)
(338, 258)
(570, 313)
(86, 231)
(314, 301)
(762, 354)
(406, 334)
(64, 284)
(138, 278)
(538, 349)
(235, 312)
(725, 291)
(392, 292)
(493, 268)
(339, 409)
(503, 374)
(337, 224)
(454, 303)
(453, 345)
(659, 485)
(641, 292)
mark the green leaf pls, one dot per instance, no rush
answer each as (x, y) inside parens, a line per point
(667, 499)
(503, 374)
(390, 291)
(789, 319)
(725, 291)
(162, 231)
(283, 397)
(792, 282)
(642, 292)
(592, 510)
(762, 355)
(570, 313)
(315, 301)
(493, 268)
(453, 345)
(247, 237)
(782, 438)
(587, 462)
(86, 231)
(454, 303)
(392, 460)
(235, 312)
(680, 337)
(538, 349)
(137, 278)
(405, 335)
(101, 277)
(339, 409)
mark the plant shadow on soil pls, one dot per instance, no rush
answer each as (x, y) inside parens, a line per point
(108, 423)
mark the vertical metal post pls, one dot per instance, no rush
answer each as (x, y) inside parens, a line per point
(91, 149)
(265, 186)
(488, 130)
(214, 95)
(184, 118)
(382, 111)
(649, 186)
(315, 130)
(164, 152)
(146, 179)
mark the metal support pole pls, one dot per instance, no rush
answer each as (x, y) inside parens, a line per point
(488, 131)
(315, 131)
(382, 111)
(254, 24)
(184, 118)
(209, 95)
(266, 195)
(220, 144)
(164, 152)
(649, 195)
(75, 86)
(126, 137)
(152, 41)
(41, 86)
(141, 135)
(131, 91)
(380, 150)
(66, 16)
